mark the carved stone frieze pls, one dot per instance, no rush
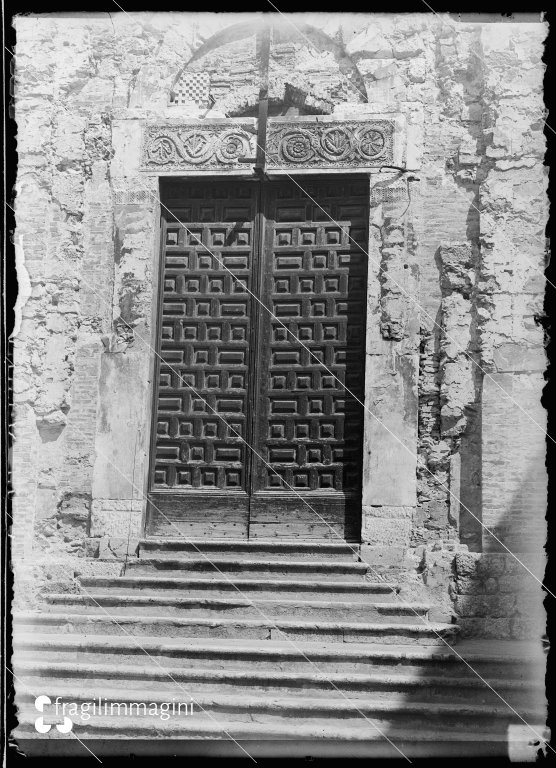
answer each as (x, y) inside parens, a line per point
(291, 145)
(330, 145)
(201, 147)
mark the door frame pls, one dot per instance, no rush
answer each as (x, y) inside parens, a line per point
(257, 281)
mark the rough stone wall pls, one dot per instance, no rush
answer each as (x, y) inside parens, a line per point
(456, 259)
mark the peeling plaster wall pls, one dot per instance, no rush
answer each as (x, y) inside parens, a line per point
(455, 286)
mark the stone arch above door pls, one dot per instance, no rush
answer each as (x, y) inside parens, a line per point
(309, 72)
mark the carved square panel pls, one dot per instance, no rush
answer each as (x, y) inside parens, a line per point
(218, 237)
(284, 237)
(342, 307)
(309, 237)
(164, 380)
(303, 381)
(332, 284)
(208, 478)
(184, 477)
(198, 406)
(327, 430)
(172, 237)
(202, 308)
(194, 236)
(277, 430)
(329, 332)
(282, 285)
(239, 285)
(236, 381)
(314, 455)
(301, 479)
(186, 380)
(316, 405)
(204, 261)
(163, 427)
(329, 382)
(201, 356)
(275, 480)
(161, 476)
(210, 429)
(242, 237)
(189, 332)
(319, 260)
(196, 453)
(307, 285)
(333, 236)
(216, 285)
(234, 429)
(170, 285)
(214, 332)
(280, 334)
(167, 331)
(192, 285)
(318, 308)
(306, 332)
(185, 428)
(326, 480)
(316, 355)
(238, 332)
(278, 382)
(302, 430)
(212, 381)
(232, 478)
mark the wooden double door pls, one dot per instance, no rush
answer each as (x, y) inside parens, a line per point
(261, 327)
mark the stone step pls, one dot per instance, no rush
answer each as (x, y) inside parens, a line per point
(265, 588)
(294, 570)
(324, 738)
(342, 631)
(199, 653)
(248, 549)
(234, 707)
(311, 682)
(232, 607)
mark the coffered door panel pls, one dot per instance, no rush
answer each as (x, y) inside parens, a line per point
(199, 482)
(308, 430)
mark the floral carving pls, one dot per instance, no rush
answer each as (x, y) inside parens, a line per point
(297, 147)
(336, 142)
(322, 144)
(161, 150)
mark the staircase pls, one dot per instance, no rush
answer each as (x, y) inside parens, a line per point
(264, 641)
